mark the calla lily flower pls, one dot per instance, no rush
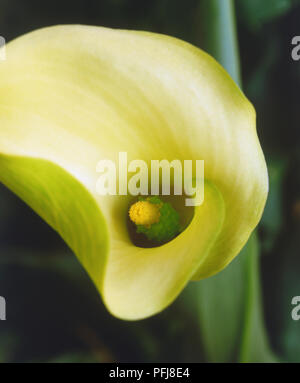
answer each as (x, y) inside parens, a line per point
(73, 95)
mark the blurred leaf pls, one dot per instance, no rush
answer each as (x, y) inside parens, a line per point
(257, 84)
(8, 344)
(287, 330)
(272, 218)
(220, 304)
(255, 13)
(254, 346)
(75, 358)
(229, 308)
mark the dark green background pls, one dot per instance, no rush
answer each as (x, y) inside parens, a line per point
(53, 311)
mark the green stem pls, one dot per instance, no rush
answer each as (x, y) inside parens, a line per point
(218, 34)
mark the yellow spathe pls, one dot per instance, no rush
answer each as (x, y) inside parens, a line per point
(73, 95)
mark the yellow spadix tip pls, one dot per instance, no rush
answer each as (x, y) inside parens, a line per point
(144, 213)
